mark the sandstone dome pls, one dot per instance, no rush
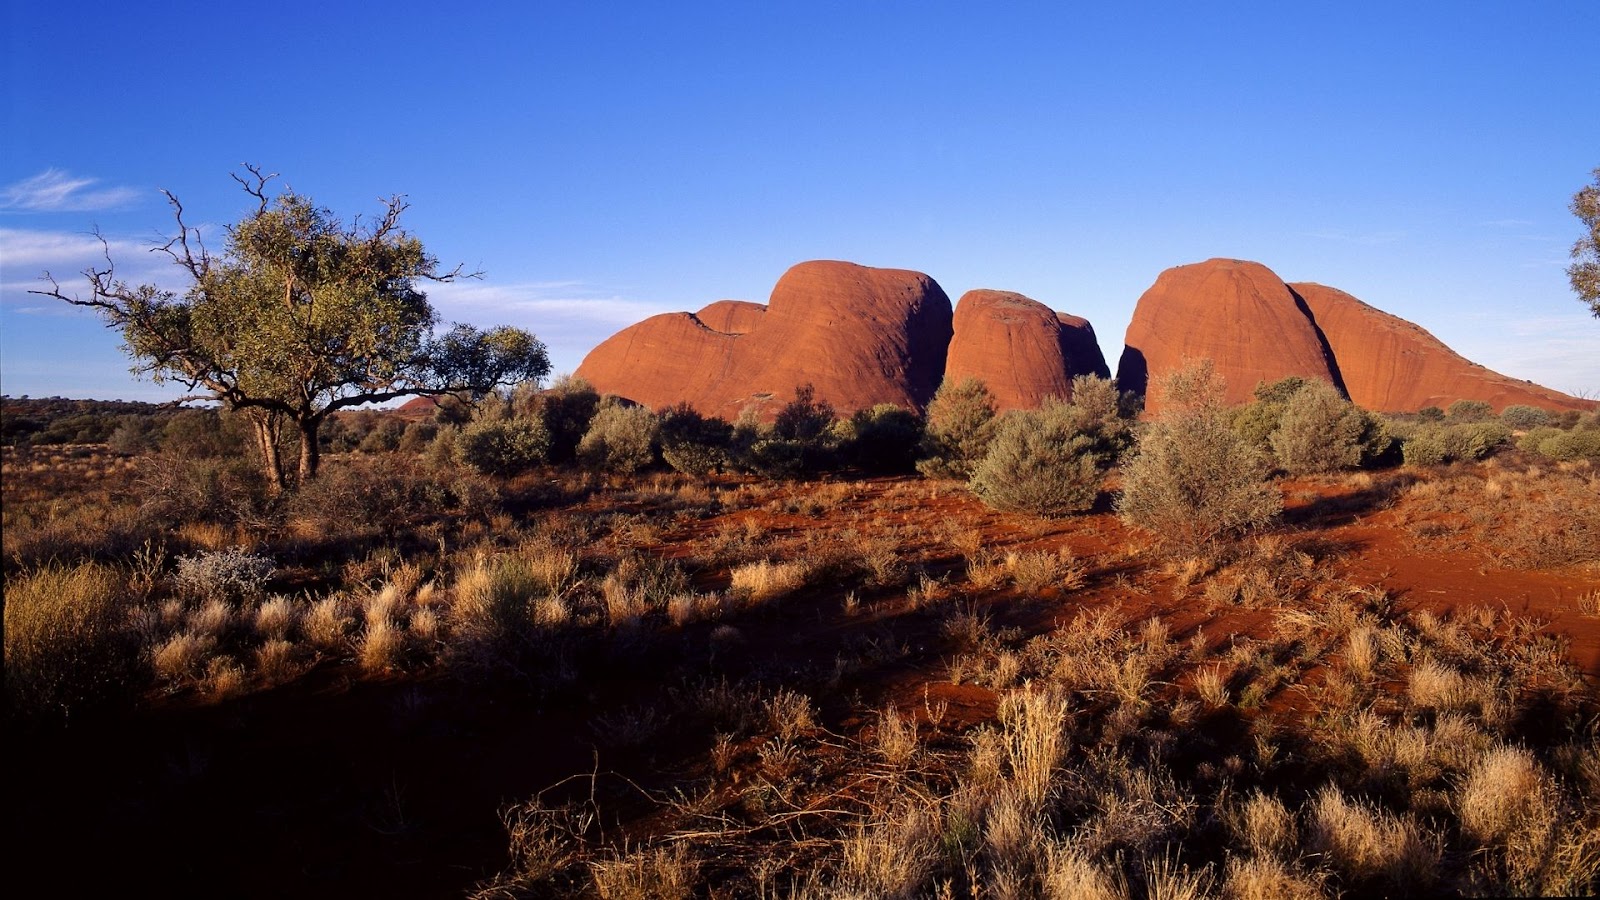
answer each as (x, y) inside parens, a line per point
(859, 335)
(1022, 350)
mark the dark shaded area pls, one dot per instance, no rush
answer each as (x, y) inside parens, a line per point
(1133, 373)
(1327, 349)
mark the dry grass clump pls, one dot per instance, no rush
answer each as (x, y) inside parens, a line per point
(1035, 570)
(896, 737)
(1267, 878)
(180, 656)
(327, 622)
(1264, 826)
(764, 581)
(790, 713)
(1367, 844)
(658, 873)
(68, 644)
(895, 854)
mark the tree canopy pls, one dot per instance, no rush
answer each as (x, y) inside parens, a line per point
(1585, 272)
(301, 315)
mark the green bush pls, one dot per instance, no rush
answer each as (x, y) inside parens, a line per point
(1469, 411)
(882, 439)
(567, 407)
(621, 438)
(1192, 480)
(692, 443)
(799, 442)
(502, 446)
(1318, 431)
(1556, 443)
(959, 426)
(1051, 461)
(1522, 418)
(1432, 444)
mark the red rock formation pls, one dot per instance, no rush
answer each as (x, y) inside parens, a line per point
(1238, 314)
(1391, 365)
(1021, 350)
(731, 316)
(860, 336)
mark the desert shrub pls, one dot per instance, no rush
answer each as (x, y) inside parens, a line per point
(1430, 414)
(360, 495)
(799, 442)
(621, 438)
(233, 574)
(202, 433)
(1192, 479)
(1433, 443)
(1556, 443)
(1469, 411)
(384, 437)
(567, 408)
(805, 418)
(1521, 418)
(68, 648)
(692, 443)
(958, 429)
(174, 489)
(492, 616)
(1050, 461)
(882, 439)
(417, 437)
(503, 446)
(1318, 431)
(136, 434)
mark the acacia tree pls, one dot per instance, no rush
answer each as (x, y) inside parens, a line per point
(1585, 272)
(300, 316)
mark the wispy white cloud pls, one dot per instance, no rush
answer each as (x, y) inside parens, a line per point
(1358, 237)
(26, 254)
(56, 191)
(566, 300)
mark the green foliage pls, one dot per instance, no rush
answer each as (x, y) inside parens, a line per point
(502, 447)
(799, 442)
(1469, 411)
(621, 438)
(384, 437)
(1051, 461)
(1193, 480)
(1585, 270)
(1556, 443)
(882, 439)
(1521, 418)
(958, 430)
(417, 437)
(300, 316)
(692, 443)
(1433, 443)
(1280, 391)
(805, 418)
(1318, 431)
(1431, 414)
(567, 408)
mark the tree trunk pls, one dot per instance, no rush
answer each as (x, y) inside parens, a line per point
(310, 453)
(266, 426)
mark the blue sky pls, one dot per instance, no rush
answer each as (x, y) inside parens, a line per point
(602, 162)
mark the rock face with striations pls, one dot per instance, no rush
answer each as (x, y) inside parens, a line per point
(860, 336)
(1391, 365)
(1238, 314)
(1021, 349)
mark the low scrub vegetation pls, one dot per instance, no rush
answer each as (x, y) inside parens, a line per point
(1170, 658)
